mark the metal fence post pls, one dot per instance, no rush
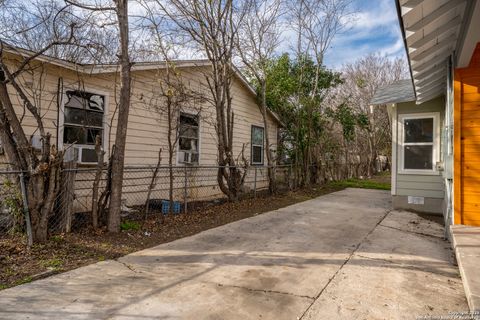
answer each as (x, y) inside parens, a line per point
(255, 184)
(185, 193)
(289, 177)
(25, 210)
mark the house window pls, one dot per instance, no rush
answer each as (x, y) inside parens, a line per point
(257, 145)
(419, 140)
(83, 121)
(188, 138)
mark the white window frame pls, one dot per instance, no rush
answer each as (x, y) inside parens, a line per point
(105, 124)
(199, 139)
(435, 142)
(252, 145)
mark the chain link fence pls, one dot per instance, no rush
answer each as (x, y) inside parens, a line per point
(146, 193)
(11, 203)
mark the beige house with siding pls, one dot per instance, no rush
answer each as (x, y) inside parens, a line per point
(78, 102)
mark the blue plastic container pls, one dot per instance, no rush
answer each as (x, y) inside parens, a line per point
(166, 206)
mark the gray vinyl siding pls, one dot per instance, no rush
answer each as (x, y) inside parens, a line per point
(430, 186)
(420, 185)
(435, 105)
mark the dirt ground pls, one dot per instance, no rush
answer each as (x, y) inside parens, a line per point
(18, 264)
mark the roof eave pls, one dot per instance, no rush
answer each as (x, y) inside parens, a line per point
(139, 66)
(404, 38)
(431, 32)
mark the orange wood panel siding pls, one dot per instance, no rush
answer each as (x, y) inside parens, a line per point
(467, 142)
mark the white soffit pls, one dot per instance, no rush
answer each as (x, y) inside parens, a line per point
(431, 29)
(472, 37)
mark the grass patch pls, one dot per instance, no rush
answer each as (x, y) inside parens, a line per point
(54, 263)
(24, 280)
(130, 225)
(358, 183)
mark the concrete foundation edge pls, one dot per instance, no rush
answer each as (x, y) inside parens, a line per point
(431, 205)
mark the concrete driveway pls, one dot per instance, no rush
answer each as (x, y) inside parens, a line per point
(341, 256)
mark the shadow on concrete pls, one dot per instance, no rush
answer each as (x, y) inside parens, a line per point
(286, 257)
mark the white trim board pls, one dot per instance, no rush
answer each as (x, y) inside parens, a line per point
(393, 188)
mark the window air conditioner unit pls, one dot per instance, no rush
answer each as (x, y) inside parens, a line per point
(86, 155)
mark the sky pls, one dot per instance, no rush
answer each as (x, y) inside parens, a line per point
(374, 28)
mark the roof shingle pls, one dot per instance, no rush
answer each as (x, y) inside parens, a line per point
(396, 92)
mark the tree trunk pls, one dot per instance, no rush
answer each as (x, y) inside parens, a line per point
(104, 198)
(347, 165)
(371, 156)
(113, 222)
(170, 186)
(39, 226)
(65, 203)
(16, 136)
(96, 181)
(171, 149)
(271, 170)
(42, 188)
(153, 182)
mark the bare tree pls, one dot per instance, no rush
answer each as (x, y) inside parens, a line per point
(213, 26)
(362, 79)
(319, 22)
(173, 95)
(257, 41)
(35, 25)
(120, 9)
(41, 167)
(55, 28)
(171, 100)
